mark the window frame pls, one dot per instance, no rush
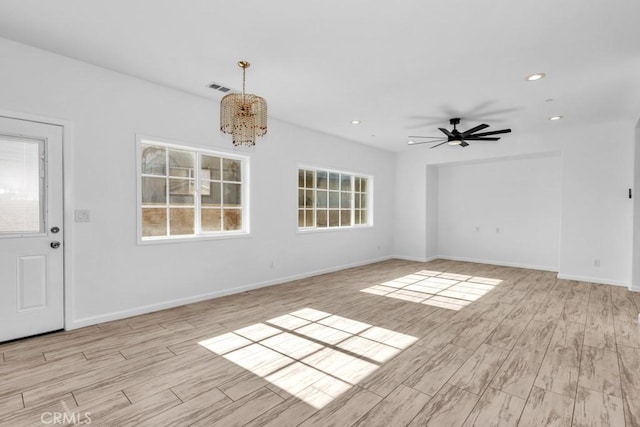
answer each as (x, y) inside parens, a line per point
(199, 235)
(369, 194)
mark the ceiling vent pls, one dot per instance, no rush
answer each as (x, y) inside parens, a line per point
(219, 87)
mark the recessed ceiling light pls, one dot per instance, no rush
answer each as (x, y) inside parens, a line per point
(355, 122)
(553, 118)
(411, 142)
(536, 76)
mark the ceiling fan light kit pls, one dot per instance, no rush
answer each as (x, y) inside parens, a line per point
(534, 77)
(455, 137)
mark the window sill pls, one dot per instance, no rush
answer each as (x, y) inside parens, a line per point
(186, 239)
(332, 229)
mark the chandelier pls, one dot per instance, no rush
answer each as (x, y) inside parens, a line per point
(243, 115)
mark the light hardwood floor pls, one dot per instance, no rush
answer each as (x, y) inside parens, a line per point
(390, 344)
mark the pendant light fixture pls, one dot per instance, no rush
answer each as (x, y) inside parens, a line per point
(243, 115)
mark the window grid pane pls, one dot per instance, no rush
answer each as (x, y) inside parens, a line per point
(153, 160)
(154, 222)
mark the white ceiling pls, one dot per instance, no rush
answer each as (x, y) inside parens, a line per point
(402, 67)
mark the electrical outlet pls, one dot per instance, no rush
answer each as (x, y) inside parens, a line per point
(477, 228)
(82, 215)
(596, 262)
(497, 230)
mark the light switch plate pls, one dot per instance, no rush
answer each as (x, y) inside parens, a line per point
(83, 215)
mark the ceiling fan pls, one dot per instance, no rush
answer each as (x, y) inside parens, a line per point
(455, 137)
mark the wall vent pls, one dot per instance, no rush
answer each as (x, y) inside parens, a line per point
(219, 87)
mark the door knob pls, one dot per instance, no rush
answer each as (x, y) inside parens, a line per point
(55, 245)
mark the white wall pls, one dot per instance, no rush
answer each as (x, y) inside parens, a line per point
(504, 212)
(111, 275)
(596, 219)
(635, 285)
(410, 225)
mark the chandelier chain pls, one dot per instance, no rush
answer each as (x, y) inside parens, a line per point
(244, 72)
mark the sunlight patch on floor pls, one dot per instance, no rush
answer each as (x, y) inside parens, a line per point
(292, 352)
(436, 288)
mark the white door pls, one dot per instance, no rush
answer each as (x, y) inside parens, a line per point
(31, 233)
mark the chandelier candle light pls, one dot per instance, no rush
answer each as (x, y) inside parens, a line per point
(243, 115)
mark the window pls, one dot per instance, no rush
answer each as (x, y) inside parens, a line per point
(331, 199)
(186, 192)
(22, 186)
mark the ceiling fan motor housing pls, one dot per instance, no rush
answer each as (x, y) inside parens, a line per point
(455, 121)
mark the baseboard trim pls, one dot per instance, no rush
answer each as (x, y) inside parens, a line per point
(500, 263)
(413, 258)
(595, 280)
(117, 315)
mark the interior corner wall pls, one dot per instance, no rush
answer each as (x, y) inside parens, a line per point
(432, 214)
(597, 216)
(504, 211)
(113, 277)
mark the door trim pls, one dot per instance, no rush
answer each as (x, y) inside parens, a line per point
(67, 204)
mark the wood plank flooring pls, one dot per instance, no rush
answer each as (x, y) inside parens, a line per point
(396, 343)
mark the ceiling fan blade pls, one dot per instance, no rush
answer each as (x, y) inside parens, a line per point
(440, 144)
(446, 132)
(428, 142)
(430, 137)
(493, 132)
(473, 138)
(475, 129)
(463, 143)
